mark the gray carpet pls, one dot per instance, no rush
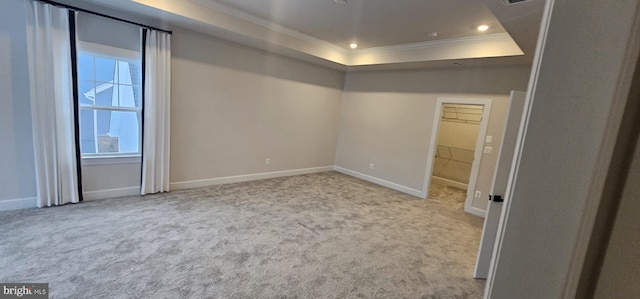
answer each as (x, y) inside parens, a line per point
(451, 196)
(323, 235)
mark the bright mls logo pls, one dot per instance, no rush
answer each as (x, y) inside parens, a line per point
(24, 290)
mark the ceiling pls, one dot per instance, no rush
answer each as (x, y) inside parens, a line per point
(370, 23)
(390, 34)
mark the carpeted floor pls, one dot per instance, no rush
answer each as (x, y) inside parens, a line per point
(451, 196)
(323, 235)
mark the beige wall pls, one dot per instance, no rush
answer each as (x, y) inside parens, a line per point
(386, 118)
(456, 146)
(233, 107)
(458, 135)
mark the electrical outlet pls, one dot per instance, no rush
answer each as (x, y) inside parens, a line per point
(268, 161)
(372, 166)
(488, 150)
(478, 194)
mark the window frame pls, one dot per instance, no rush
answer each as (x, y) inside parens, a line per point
(118, 54)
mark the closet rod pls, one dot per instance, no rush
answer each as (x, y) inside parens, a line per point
(102, 15)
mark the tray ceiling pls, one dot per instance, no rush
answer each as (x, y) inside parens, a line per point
(389, 33)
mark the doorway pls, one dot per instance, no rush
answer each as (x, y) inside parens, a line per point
(455, 150)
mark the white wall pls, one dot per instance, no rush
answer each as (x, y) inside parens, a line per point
(233, 107)
(563, 161)
(110, 180)
(387, 116)
(17, 178)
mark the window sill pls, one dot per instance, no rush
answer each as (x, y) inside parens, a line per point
(110, 160)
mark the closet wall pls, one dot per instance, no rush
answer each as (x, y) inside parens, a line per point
(458, 134)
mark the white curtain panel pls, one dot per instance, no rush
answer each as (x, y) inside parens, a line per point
(157, 105)
(52, 112)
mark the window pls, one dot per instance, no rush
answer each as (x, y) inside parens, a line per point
(109, 97)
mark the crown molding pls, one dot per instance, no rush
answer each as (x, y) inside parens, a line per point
(467, 40)
(485, 46)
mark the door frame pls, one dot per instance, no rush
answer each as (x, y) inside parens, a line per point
(477, 155)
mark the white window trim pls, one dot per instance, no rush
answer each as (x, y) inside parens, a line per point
(109, 52)
(111, 160)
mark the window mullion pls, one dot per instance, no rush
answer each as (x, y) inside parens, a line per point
(113, 108)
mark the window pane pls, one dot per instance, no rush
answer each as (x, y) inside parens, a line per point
(118, 132)
(137, 95)
(87, 136)
(136, 76)
(106, 94)
(86, 92)
(104, 122)
(127, 96)
(124, 73)
(116, 84)
(85, 67)
(105, 70)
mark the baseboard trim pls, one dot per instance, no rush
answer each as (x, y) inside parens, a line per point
(17, 204)
(476, 211)
(112, 193)
(448, 182)
(246, 177)
(381, 182)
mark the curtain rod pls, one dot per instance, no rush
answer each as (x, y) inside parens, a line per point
(103, 15)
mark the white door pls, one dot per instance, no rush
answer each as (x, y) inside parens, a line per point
(500, 179)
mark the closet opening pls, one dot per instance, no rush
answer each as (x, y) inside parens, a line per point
(456, 147)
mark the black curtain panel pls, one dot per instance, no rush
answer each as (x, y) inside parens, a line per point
(76, 108)
(143, 72)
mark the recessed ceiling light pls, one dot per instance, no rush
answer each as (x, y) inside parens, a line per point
(340, 1)
(353, 45)
(432, 34)
(483, 28)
